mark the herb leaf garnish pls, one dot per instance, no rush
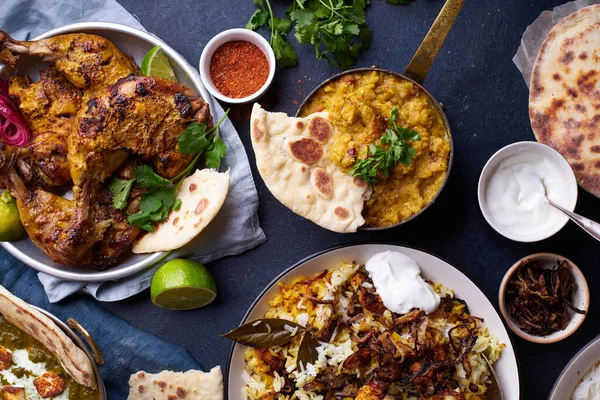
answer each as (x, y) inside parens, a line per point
(121, 189)
(307, 352)
(158, 201)
(284, 52)
(385, 159)
(336, 29)
(146, 178)
(266, 332)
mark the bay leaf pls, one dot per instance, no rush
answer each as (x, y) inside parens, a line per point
(307, 352)
(266, 332)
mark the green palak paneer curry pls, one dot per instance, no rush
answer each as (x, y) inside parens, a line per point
(31, 360)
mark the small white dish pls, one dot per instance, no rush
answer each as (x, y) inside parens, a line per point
(575, 370)
(567, 175)
(231, 35)
(581, 299)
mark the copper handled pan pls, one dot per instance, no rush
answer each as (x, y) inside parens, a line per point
(416, 72)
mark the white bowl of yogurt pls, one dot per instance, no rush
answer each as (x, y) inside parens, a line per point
(513, 203)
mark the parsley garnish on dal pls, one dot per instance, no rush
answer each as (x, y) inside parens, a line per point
(385, 159)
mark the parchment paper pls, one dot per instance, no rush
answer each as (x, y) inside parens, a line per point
(536, 33)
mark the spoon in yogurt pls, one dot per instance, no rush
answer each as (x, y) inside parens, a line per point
(591, 227)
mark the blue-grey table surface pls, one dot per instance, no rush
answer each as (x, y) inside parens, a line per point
(486, 101)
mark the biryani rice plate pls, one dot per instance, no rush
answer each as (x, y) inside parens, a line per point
(366, 351)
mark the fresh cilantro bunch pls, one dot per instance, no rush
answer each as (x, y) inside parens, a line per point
(159, 199)
(263, 16)
(337, 29)
(386, 159)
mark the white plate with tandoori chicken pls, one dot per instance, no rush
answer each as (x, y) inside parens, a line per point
(371, 321)
(106, 181)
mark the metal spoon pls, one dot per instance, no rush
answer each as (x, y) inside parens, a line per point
(494, 390)
(591, 227)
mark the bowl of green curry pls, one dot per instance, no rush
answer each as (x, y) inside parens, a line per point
(39, 357)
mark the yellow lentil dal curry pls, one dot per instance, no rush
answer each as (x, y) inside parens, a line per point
(359, 104)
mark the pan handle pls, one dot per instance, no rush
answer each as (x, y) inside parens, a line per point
(76, 326)
(423, 59)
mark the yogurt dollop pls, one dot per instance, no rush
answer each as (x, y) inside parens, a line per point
(515, 199)
(397, 279)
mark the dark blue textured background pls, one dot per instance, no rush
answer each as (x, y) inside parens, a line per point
(486, 101)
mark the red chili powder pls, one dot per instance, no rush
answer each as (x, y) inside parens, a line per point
(239, 69)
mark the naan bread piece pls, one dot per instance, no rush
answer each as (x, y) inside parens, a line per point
(292, 158)
(202, 195)
(564, 98)
(167, 385)
(14, 393)
(40, 327)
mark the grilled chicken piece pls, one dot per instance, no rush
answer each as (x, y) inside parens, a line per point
(49, 384)
(13, 393)
(49, 106)
(141, 115)
(5, 358)
(137, 115)
(97, 241)
(88, 61)
(119, 115)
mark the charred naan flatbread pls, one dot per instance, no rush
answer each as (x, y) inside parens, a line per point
(564, 99)
(40, 327)
(202, 195)
(191, 385)
(292, 158)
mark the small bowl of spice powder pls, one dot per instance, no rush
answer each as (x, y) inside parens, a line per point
(237, 66)
(544, 298)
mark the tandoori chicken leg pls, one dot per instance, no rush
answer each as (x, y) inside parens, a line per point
(97, 242)
(89, 62)
(137, 115)
(49, 106)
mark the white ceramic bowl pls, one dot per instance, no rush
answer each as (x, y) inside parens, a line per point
(579, 365)
(433, 268)
(135, 43)
(567, 175)
(231, 35)
(581, 299)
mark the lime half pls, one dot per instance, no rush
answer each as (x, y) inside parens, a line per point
(156, 63)
(183, 285)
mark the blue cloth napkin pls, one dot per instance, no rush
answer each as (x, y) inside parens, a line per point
(236, 227)
(125, 348)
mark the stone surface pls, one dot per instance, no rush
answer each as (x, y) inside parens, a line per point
(486, 102)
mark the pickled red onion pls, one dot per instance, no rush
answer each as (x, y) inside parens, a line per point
(14, 130)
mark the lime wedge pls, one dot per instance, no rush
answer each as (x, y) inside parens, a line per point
(182, 285)
(156, 63)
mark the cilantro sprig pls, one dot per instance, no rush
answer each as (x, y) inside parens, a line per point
(337, 29)
(385, 159)
(263, 16)
(159, 199)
